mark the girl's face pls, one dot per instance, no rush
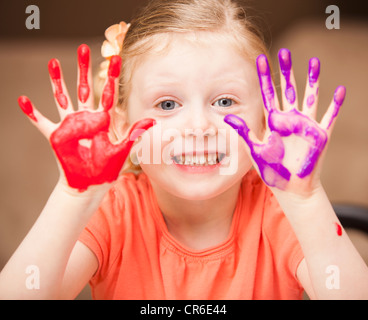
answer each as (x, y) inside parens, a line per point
(192, 153)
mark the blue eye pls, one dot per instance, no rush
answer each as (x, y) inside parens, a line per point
(224, 102)
(168, 105)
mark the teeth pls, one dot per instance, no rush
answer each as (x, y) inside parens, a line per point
(188, 159)
(201, 159)
(197, 160)
(212, 159)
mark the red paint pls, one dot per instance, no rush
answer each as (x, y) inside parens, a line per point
(108, 94)
(55, 74)
(26, 105)
(338, 229)
(99, 163)
(83, 62)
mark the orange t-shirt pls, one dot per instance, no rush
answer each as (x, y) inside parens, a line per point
(139, 259)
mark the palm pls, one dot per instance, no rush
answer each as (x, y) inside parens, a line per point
(288, 157)
(81, 140)
(96, 163)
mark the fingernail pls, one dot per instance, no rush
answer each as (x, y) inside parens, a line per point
(115, 67)
(339, 98)
(262, 65)
(55, 74)
(314, 69)
(265, 82)
(54, 69)
(285, 60)
(285, 67)
(83, 61)
(26, 106)
(339, 95)
(83, 55)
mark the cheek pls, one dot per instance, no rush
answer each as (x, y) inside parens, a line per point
(244, 160)
(256, 121)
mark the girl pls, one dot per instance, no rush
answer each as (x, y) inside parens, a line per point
(183, 227)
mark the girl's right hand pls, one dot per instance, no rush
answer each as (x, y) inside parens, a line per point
(80, 140)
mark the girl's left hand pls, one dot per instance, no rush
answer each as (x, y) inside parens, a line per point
(289, 157)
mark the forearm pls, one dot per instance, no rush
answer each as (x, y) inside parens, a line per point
(49, 244)
(329, 254)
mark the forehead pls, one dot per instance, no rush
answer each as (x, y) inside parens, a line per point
(207, 55)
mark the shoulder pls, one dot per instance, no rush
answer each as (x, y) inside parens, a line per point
(123, 200)
(127, 190)
(117, 217)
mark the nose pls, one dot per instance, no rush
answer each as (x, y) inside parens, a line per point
(199, 123)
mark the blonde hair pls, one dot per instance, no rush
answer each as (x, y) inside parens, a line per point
(167, 17)
(161, 19)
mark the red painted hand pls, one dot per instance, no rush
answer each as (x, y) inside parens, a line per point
(81, 140)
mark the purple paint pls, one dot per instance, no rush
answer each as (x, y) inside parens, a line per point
(285, 67)
(314, 70)
(265, 82)
(339, 98)
(310, 100)
(268, 156)
(294, 122)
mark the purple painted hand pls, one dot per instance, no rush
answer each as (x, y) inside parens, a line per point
(294, 140)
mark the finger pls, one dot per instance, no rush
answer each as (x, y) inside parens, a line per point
(135, 132)
(60, 92)
(242, 129)
(85, 88)
(289, 96)
(329, 119)
(311, 91)
(110, 91)
(138, 129)
(37, 119)
(267, 87)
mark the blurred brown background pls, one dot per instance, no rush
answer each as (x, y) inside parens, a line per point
(28, 171)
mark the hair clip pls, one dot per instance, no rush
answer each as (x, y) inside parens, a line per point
(113, 44)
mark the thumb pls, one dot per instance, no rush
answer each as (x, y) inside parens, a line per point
(136, 131)
(239, 125)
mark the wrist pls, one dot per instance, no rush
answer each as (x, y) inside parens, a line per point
(304, 205)
(92, 191)
(81, 203)
(300, 194)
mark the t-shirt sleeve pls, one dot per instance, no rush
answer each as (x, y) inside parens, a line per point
(283, 241)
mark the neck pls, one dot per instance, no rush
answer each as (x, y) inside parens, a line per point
(198, 224)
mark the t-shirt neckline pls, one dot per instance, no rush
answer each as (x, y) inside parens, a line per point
(174, 245)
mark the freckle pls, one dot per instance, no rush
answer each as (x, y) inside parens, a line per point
(338, 229)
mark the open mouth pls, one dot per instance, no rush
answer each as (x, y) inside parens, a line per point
(208, 159)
